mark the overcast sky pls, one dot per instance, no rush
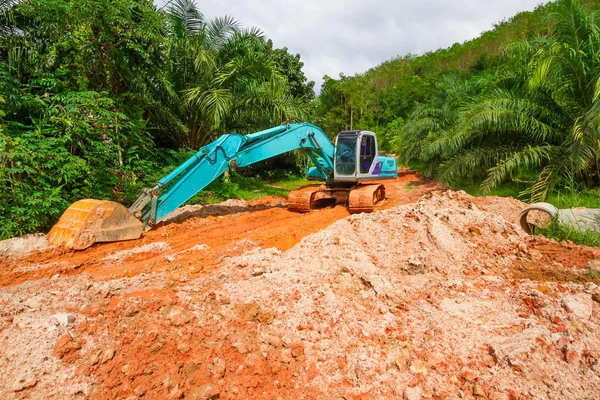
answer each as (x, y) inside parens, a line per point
(337, 36)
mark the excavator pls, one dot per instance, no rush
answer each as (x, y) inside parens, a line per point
(344, 168)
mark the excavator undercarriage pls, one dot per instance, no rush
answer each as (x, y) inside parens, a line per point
(359, 198)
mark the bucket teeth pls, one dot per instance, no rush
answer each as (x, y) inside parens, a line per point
(90, 221)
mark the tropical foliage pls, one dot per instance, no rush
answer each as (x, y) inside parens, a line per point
(220, 78)
(96, 97)
(539, 114)
(100, 98)
(527, 112)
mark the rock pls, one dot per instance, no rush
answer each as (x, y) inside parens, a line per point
(570, 355)
(469, 375)
(218, 367)
(64, 318)
(580, 305)
(24, 245)
(204, 392)
(297, 348)
(274, 341)
(475, 230)
(66, 348)
(593, 265)
(536, 255)
(155, 347)
(34, 303)
(179, 316)
(418, 367)
(24, 383)
(590, 287)
(414, 393)
(240, 347)
(479, 391)
(95, 358)
(175, 393)
(141, 390)
(107, 355)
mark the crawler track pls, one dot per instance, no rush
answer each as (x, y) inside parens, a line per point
(366, 198)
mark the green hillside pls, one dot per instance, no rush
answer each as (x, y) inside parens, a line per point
(390, 90)
(519, 104)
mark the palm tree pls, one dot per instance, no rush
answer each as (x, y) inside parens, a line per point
(219, 78)
(431, 127)
(542, 115)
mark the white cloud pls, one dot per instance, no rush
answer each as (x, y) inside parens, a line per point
(337, 36)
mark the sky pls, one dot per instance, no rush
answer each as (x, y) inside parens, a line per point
(350, 36)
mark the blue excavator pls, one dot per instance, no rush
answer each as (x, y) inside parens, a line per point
(344, 168)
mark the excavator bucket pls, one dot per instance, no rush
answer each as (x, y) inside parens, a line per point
(90, 221)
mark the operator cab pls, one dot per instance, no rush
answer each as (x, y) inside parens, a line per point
(357, 158)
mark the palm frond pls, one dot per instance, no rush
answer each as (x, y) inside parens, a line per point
(472, 161)
(212, 104)
(220, 29)
(184, 18)
(517, 159)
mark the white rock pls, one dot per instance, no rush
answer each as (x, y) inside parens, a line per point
(33, 303)
(594, 265)
(24, 383)
(580, 304)
(64, 318)
(413, 393)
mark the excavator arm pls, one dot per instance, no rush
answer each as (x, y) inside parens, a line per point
(90, 221)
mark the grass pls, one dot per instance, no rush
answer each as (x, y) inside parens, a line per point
(592, 275)
(509, 189)
(563, 232)
(573, 196)
(410, 185)
(290, 183)
(247, 188)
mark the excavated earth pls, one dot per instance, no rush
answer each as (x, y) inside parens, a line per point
(436, 295)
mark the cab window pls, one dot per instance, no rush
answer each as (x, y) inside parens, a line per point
(345, 158)
(367, 153)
